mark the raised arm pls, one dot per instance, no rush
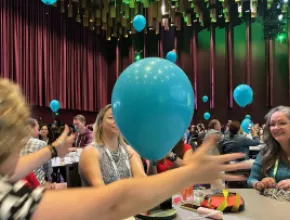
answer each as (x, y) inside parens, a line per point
(129, 197)
(31, 161)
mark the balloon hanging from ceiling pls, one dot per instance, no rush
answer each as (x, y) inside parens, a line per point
(139, 23)
(205, 98)
(206, 115)
(243, 95)
(54, 105)
(171, 56)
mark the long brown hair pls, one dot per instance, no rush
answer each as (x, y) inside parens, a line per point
(98, 135)
(272, 150)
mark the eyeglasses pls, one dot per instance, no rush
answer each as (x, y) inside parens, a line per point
(279, 124)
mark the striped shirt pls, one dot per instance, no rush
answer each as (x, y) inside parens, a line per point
(46, 170)
(18, 201)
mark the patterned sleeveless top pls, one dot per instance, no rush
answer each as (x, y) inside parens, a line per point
(107, 169)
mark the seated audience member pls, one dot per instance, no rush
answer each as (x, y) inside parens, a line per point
(236, 143)
(109, 158)
(214, 128)
(271, 168)
(33, 144)
(46, 134)
(84, 136)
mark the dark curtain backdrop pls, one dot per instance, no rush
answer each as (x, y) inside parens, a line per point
(53, 57)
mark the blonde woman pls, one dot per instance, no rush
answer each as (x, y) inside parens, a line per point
(109, 158)
(115, 201)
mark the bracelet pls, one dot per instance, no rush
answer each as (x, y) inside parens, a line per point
(53, 151)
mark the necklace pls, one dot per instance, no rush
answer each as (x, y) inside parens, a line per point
(116, 155)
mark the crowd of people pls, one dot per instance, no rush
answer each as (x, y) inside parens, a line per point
(112, 171)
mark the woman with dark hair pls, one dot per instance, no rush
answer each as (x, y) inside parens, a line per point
(45, 134)
(272, 166)
(237, 143)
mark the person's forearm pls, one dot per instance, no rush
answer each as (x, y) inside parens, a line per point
(177, 163)
(118, 200)
(152, 170)
(251, 182)
(26, 164)
(152, 192)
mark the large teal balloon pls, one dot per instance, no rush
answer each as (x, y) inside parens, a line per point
(152, 104)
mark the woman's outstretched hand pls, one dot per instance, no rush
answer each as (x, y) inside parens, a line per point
(207, 169)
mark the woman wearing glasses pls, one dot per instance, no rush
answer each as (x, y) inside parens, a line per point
(272, 166)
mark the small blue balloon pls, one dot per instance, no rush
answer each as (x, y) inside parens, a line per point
(49, 2)
(171, 56)
(243, 95)
(248, 116)
(139, 23)
(152, 103)
(54, 105)
(246, 125)
(206, 115)
(205, 98)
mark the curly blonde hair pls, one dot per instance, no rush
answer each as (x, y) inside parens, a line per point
(98, 137)
(13, 115)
